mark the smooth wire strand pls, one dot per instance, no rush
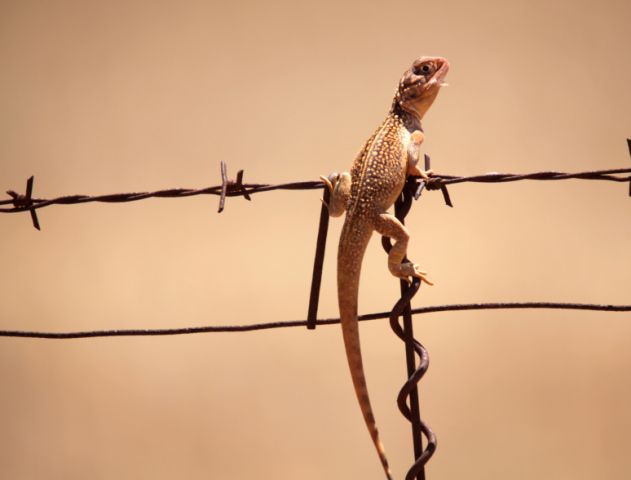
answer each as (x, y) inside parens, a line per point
(303, 323)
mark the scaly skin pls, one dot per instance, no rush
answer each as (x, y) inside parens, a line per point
(376, 179)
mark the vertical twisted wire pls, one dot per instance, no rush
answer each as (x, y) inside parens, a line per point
(410, 408)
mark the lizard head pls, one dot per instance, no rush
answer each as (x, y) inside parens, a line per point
(420, 84)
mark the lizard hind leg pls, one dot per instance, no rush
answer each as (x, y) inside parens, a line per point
(389, 226)
(339, 185)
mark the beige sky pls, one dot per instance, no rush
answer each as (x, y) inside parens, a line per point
(104, 97)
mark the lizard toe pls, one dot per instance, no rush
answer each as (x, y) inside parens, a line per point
(327, 182)
(409, 269)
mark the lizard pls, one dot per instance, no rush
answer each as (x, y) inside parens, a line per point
(375, 181)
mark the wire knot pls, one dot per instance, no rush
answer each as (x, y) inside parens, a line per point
(25, 201)
(231, 187)
(236, 187)
(19, 200)
(433, 183)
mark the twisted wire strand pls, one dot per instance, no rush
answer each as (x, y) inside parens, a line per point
(407, 399)
(22, 203)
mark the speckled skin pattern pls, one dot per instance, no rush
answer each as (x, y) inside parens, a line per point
(375, 181)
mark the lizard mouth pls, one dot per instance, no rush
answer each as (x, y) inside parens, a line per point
(441, 73)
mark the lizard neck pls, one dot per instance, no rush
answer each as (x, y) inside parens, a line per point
(410, 120)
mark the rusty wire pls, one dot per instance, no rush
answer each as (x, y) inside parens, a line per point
(234, 188)
(22, 203)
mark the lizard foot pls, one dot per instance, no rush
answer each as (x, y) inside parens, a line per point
(339, 186)
(408, 269)
(330, 182)
(417, 172)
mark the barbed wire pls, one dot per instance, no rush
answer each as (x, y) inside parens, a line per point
(233, 188)
(139, 332)
(21, 203)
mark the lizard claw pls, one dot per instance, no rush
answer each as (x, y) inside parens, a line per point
(339, 187)
(327, 182)
(409, 269)
(331, 181)
(425, 174)
(417, 172)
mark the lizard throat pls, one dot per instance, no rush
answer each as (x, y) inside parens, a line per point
(411, 121)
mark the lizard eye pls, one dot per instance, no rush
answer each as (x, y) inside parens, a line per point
(423, 69)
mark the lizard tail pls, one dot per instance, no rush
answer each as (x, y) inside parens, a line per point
(350, 257)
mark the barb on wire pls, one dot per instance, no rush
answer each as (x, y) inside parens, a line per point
(25, 201)
(232, 186)
(432, 183)
(150, 332)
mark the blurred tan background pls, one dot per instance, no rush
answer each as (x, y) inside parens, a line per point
(104, 97)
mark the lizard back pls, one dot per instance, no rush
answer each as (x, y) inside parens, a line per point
(379, 171)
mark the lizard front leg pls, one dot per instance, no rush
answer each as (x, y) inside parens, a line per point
(414, 154)
(388, 225)
(339, 185)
